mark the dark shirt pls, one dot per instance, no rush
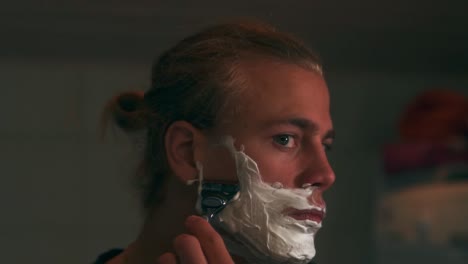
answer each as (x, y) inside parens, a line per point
(108, 255)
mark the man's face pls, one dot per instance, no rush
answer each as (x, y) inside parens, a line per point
(283, 121)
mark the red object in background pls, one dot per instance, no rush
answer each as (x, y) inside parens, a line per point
(410, 156)
(435, 116)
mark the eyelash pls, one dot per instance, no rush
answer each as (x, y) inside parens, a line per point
(326, 146)
(277, 137)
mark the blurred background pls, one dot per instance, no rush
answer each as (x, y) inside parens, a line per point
(401, 194)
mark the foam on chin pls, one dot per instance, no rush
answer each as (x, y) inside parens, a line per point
(262, 233)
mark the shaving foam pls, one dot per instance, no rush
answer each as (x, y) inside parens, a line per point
(259, 231)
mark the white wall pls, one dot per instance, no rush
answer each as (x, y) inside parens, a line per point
(66, 196)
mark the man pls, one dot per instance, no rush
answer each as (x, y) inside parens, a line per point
(237, 105)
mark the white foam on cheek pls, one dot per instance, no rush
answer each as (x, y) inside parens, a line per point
(256, 215)
(198, 207)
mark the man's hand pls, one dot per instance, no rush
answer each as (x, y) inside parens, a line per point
(202, 245)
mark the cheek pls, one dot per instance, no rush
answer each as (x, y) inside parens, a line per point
(275, 168)
(219, 165)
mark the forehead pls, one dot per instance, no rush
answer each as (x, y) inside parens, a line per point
(281, 90)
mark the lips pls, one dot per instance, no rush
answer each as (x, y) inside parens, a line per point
(311, 214)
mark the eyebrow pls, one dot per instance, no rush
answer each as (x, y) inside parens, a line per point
(303, 124)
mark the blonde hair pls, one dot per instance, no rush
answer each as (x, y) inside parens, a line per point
(193, 82)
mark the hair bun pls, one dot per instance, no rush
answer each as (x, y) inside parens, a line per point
(127, 110)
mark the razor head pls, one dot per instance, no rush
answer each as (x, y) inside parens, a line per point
(215, 196)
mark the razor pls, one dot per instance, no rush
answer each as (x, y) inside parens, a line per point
(215, 196)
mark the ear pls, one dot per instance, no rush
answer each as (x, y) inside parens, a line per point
(181, 141)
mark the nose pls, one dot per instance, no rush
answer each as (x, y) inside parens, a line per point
(316, 170)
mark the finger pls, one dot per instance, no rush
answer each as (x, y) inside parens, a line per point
(188, 249)
(167, 258)
(210, 241)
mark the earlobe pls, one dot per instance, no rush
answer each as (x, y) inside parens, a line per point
(180, 142)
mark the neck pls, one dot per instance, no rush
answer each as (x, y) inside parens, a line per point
(163, 223)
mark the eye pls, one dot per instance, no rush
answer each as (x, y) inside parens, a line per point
(285, 140)
(327, 147)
